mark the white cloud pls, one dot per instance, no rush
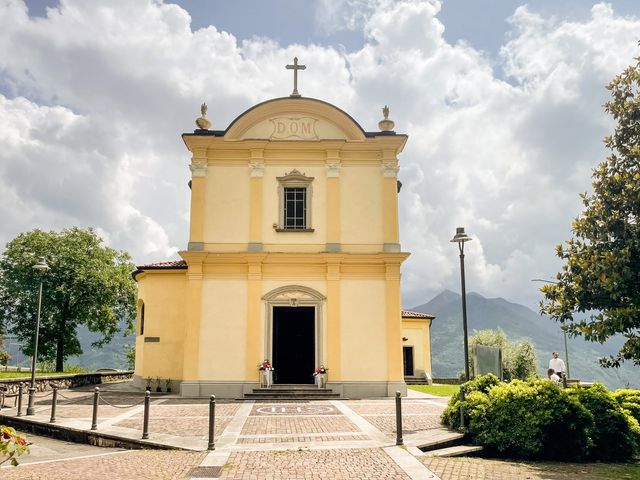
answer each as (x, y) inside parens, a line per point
(97, 94)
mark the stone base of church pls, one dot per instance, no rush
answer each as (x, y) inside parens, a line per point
(354, 390)
(237, 389)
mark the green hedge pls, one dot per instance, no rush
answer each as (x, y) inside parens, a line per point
(482, 384)
(538, 419)
(615, 434)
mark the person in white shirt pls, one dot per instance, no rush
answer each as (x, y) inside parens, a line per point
(557, 364)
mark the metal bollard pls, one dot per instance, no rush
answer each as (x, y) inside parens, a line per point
(31, 410)
(54, 402)
(399, 440)
(20, 388)
(212, 422)
(145, 425)
(96, 399)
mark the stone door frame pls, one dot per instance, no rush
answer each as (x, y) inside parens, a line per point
(294, 296)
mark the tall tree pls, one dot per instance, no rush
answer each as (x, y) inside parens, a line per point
(88, 284)
(601, 273)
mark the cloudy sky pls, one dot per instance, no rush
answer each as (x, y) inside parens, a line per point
(502, 103)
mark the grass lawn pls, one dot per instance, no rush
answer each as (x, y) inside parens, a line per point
(441, 390)
(27, 374)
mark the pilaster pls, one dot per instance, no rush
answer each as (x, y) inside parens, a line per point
(198, 169)
(256, 172)
(193, 319)
(333, 201)
(390, 235)
(334, 343)
(254, 309)
(394, 323)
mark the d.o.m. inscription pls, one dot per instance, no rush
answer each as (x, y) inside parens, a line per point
(303, 128)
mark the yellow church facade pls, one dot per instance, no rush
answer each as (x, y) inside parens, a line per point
(293, 257)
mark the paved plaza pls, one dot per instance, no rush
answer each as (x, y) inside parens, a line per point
(334, 439)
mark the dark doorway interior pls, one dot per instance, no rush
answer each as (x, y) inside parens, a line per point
(293, 344)
(407, 358)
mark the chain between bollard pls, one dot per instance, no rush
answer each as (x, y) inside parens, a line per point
(399, 440)
(212, 422)
(54, 401)
(96, 400)
(145, 425)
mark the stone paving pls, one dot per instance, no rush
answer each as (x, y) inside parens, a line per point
(270, 440)
(130, 464)
(337, 439)
(312, 464)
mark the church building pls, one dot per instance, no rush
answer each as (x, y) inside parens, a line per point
(293, 257)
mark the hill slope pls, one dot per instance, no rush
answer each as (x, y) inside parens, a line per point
(518, 322)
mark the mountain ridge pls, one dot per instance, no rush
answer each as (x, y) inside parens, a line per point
(518, 322)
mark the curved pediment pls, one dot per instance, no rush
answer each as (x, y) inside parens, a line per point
(294, 294)
(294, 119)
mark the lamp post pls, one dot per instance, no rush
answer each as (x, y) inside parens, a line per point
(460, 238)
(42, 267)
(564, 332)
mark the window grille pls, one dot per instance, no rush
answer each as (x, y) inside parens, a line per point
(295, 208)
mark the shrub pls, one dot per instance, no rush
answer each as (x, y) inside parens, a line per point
(521, 419)
(629, 400)
(538, 419)
(632, 409)
(4, 357)
(615, 433)
(451, 414)
(519, 359)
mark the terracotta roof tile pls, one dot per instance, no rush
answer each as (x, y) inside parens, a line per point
(410, 314)
(160, 265)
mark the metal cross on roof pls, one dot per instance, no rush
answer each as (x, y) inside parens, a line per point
(295, 67)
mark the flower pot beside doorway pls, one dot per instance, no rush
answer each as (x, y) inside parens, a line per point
(266, 374)
(320, 376)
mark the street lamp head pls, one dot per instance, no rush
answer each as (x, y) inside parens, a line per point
(460, 236)
(41, 265)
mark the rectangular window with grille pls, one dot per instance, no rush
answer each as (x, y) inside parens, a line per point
(295, 208)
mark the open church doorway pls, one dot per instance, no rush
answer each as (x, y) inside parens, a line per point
(293, 344)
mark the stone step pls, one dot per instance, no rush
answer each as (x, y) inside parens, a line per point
(441, 438)
(455, 451)
(415, 380)
(289, 386)
(292, 390)
(287, 399)
(288, 396)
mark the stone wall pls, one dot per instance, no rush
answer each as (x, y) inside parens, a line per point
(43, 384)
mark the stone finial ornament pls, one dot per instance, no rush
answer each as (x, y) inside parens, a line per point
(203, 122)
(386, 125)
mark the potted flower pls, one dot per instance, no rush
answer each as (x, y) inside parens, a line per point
(167, 384)
(149, 380)
(158, 387)
(320, 376)
(266, 372)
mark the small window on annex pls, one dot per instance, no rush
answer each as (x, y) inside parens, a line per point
(295, 202)
(141, 318)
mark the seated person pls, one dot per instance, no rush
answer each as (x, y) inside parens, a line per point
(553, 375)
